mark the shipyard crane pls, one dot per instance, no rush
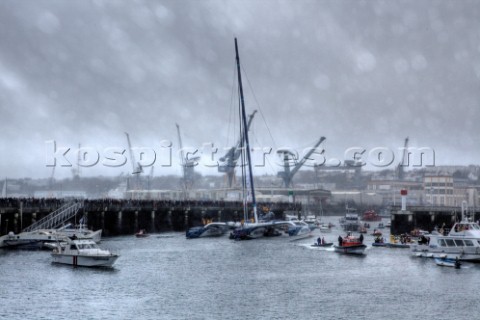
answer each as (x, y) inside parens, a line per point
(76, 172)
(136, 170)
(188, 164)
(229, 160)
(182, 159)
(287, 174)
(400, 172)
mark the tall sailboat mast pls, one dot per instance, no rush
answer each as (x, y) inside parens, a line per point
(245, 133)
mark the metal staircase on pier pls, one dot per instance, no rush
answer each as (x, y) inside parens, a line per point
(57, 217)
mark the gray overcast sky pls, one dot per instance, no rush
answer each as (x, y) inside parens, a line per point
(361, 73)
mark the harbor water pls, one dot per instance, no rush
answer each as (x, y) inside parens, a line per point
(166, 276)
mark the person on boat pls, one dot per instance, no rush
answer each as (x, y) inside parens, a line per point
(457, 263)
(361, 238)
(323, 240)
(423, 240)
(319, 241)
(340, 241)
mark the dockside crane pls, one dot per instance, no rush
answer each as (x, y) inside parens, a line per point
(287, 174)
(188, 165)
(400, 171)
(136, 167)
(229, 160)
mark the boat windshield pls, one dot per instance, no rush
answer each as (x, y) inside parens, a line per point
(87, 246)
(466, 226)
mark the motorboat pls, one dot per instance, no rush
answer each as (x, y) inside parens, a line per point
(351, 221)
(312, 221)
(142, 233)
(212, 229)
(83, 253)
(379, 241)
(371, 215)
(325, 228)
(350, 245)
(403, 241)
(322, 243)
(446, 262)
(462, 242)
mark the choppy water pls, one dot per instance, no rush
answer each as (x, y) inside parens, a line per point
(166, 276)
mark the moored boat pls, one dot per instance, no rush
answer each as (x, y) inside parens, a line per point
(351, 221)
(142, 234)
(371, 215)
(462, 242)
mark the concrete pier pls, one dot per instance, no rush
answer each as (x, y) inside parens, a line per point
(122, 217)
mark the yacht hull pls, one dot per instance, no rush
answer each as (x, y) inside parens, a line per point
(106, 261)
(355, 249)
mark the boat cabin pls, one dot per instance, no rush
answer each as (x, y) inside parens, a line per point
(465, 229)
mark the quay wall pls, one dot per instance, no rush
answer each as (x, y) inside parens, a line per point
(427, 218)
(123, 217)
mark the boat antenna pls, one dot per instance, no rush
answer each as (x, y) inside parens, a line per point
(245, 133)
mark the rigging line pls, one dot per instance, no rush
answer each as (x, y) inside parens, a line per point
(258, 105)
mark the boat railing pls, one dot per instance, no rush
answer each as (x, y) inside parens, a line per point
(56, 218)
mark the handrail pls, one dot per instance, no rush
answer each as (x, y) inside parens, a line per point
(57, 217)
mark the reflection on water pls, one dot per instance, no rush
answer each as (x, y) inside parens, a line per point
(166, 276)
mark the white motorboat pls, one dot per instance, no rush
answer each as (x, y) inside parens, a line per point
(462, 242)
(445, 262)
(351, 221)
(83, 253)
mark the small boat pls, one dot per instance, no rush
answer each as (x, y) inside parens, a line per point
(446, 262)
(83, 253)
(371, 215)
(326, 244)
(142, 234)
(322, 243)
(350, 245)
(403, 241)
(325, 228)
(379, 242)
(312, 221)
